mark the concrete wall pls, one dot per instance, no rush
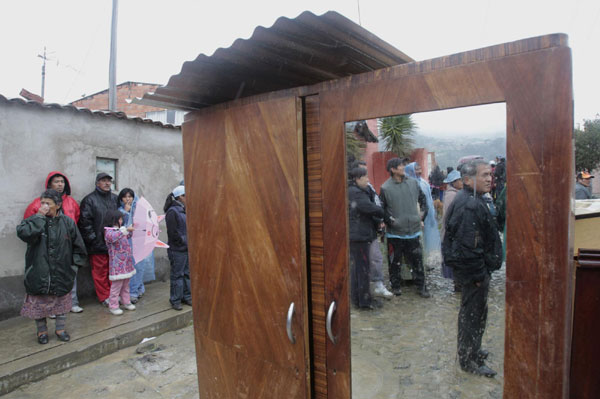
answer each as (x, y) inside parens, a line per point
(36, 140)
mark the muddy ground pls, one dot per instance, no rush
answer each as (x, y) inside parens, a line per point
(407, 349)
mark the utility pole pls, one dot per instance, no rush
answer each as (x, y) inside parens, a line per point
(43, 71)
(112, 69)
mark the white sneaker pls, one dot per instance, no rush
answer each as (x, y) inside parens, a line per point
(380, 291)
(116, 311)
(129, 306)
(76, 309)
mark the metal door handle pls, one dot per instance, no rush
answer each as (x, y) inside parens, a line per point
(288, 326)
(330, 313)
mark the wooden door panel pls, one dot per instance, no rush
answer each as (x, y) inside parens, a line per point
(234, 375)
(244, 186)
(533, 78)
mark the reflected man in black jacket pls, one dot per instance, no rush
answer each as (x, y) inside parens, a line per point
(472, 247)
(361, 211)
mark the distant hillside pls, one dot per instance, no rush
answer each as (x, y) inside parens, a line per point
(449, 150)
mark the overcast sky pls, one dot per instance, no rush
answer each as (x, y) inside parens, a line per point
(155, 37)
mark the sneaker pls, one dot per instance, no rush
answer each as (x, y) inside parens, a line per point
(129, 306)
(104, 303)
(116, 311)
(52, 316)
(397, 291)
(134, 300)
(76, 309)
(381, 291)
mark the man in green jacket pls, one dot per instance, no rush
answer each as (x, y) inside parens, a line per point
(401, 198)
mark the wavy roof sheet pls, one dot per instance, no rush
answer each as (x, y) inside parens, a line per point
(106, 114)
(306, 50)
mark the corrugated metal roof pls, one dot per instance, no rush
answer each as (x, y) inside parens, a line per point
(293, 52)
(106, 114)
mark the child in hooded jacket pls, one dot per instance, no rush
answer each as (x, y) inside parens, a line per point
(120, 261)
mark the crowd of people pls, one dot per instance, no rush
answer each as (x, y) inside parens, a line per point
(63, 236)
(404, 214)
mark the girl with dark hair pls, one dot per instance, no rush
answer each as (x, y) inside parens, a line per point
(144, 269)
(120, 260)
(54, 250)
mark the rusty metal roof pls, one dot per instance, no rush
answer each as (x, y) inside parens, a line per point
(303, 51)
(106, 114)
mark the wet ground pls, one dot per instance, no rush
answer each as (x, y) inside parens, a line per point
(162, 368)
(407, 349)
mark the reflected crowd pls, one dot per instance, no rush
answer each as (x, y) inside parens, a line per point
(451, 221)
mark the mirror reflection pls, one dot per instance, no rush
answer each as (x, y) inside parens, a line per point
(427, 278)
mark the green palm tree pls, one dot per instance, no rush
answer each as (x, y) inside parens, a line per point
(396, 133)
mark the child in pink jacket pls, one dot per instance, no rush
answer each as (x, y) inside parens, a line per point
(120, 261)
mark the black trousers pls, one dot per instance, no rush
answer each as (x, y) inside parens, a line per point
(359, 273)
(411, 250)
(472, 318)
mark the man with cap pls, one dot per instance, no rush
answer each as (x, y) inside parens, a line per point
(58, 181)
(455, 184)
(93, 208)
(582, 187)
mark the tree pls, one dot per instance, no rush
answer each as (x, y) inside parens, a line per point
(355, 148)
(396, 132)
(587, 145)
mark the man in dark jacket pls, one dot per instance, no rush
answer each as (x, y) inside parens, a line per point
(93, 208)
(473, 249)
(400, 196)
(361, 211)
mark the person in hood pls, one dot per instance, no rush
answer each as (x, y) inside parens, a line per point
(60, 183)
(54, 249)
(174, 208)
(431, 234)
(473, 249)
(94, 207)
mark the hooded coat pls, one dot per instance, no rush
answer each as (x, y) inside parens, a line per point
(69, 205)
(53, 246)
(361, 212)
(176, 227)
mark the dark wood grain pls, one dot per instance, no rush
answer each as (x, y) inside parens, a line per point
(315, 245)
(241, 158)
(245, 206)
(536, 86)
(585, 352)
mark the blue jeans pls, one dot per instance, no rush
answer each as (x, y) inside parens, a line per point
(136, 283)
(180, 277)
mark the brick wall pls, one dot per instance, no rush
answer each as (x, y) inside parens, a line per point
(125, 91)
